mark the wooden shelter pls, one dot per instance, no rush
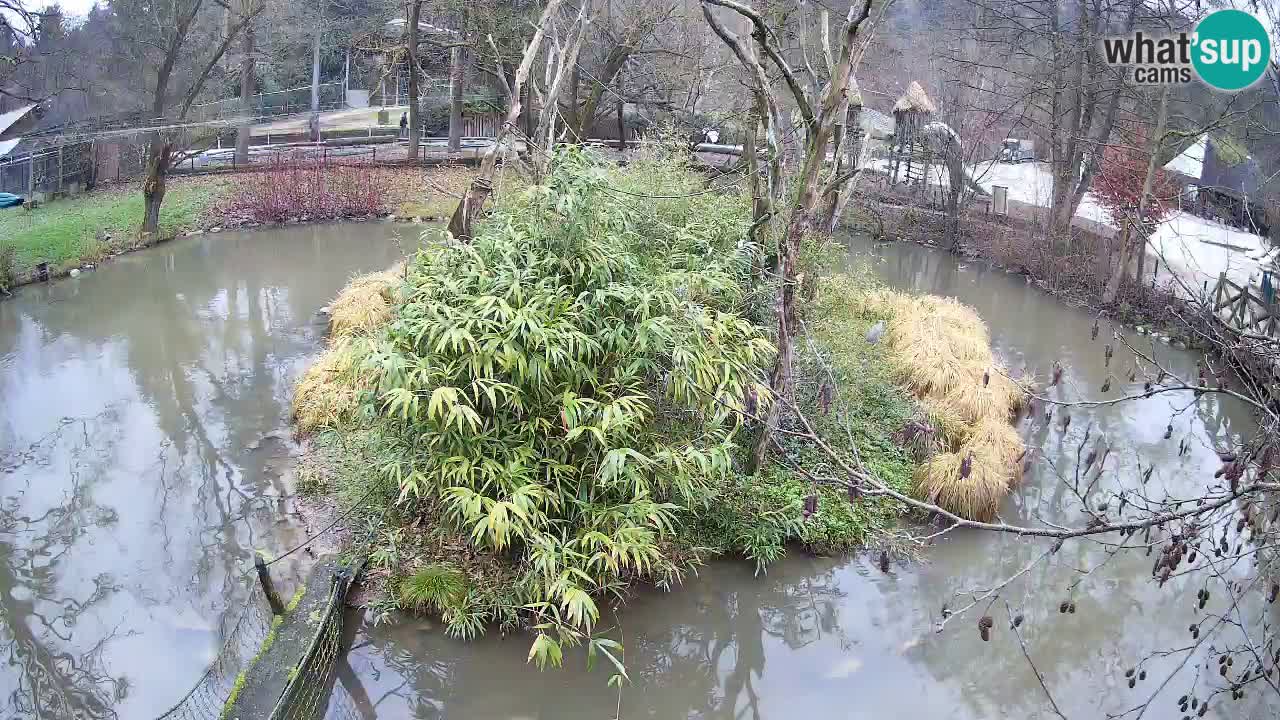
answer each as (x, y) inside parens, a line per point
(911, 112)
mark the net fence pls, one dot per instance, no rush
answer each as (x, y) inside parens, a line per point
(245, 633)
(306, 694)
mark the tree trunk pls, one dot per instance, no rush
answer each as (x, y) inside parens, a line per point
(1060, 206)
(1134, 238)
(153, 187)
(462, 223)
(560, 62)
(1153, 164)
(622, 121)
(456, 78)
(953, 216)
(244, 132)
(853, 155)
(798, 226)
(749, 153)
(315, 84)
(1121, 267)
(411, 31)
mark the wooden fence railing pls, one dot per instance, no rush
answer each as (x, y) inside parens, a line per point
(1246, 310)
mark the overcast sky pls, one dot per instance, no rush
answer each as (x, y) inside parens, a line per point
(70, 7)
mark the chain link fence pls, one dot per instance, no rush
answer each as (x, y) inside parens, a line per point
(272, 104)
(69, 168)
(310, 690)
(244, 637)
(311, 684)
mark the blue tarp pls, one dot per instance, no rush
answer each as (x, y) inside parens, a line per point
(7, 200)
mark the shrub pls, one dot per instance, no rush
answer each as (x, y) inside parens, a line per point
(294, 186)
(760, 516)
(8, 261)
(1120, 179)
(567, 386)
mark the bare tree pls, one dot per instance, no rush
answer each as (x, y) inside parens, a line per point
(457, 76)
(559, 64)
(184, 39)
(314, 123)
(462, 222)
(1044, 57)
(821, 108)
(247, 72)
(624, 30)
(411, 49)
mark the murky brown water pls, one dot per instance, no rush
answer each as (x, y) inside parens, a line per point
(143, 438)
(143, 425)
(836, 638)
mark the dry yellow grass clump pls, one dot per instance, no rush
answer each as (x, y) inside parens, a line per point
(330, 389)
(365, 303)
(940, 350)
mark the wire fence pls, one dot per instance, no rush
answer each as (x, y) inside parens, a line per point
(272, 104)
(310, 689)
(243, 639)
(68, 167)
(306, 696)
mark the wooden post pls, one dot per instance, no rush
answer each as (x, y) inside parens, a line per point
(268, 588)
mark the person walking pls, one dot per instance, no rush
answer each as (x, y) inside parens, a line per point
(404, 125)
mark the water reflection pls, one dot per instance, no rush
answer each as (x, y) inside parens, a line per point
(144, 452)
(837, 638)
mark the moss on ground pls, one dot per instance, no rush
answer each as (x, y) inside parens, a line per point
(238, 686)
(72, 231)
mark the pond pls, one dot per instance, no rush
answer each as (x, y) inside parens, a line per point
(144, 454)
(818, 637)
(144, 440)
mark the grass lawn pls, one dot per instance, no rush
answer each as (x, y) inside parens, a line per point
(429, 193)
(66, 233)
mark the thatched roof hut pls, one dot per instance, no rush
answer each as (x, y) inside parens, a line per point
(914, 100)
(911, 112)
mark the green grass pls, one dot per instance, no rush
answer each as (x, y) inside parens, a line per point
(65, 233)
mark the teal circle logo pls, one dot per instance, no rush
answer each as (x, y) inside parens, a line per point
(1231, 50)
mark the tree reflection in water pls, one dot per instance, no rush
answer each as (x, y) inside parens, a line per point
(192, 348)
(37, 616)
(701, 653)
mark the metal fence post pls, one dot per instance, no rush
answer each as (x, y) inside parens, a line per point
(268, 587)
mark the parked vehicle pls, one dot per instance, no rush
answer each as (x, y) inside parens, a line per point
(1017, 151)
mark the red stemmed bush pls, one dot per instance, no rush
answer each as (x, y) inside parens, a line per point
(1118, 185)
(298, 186)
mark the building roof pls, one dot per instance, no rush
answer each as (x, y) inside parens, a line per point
(12, 118)
(1226, 172)
(7, 146)
(914, 100)
(875, 123)
(1190, 162)
(397, 26)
